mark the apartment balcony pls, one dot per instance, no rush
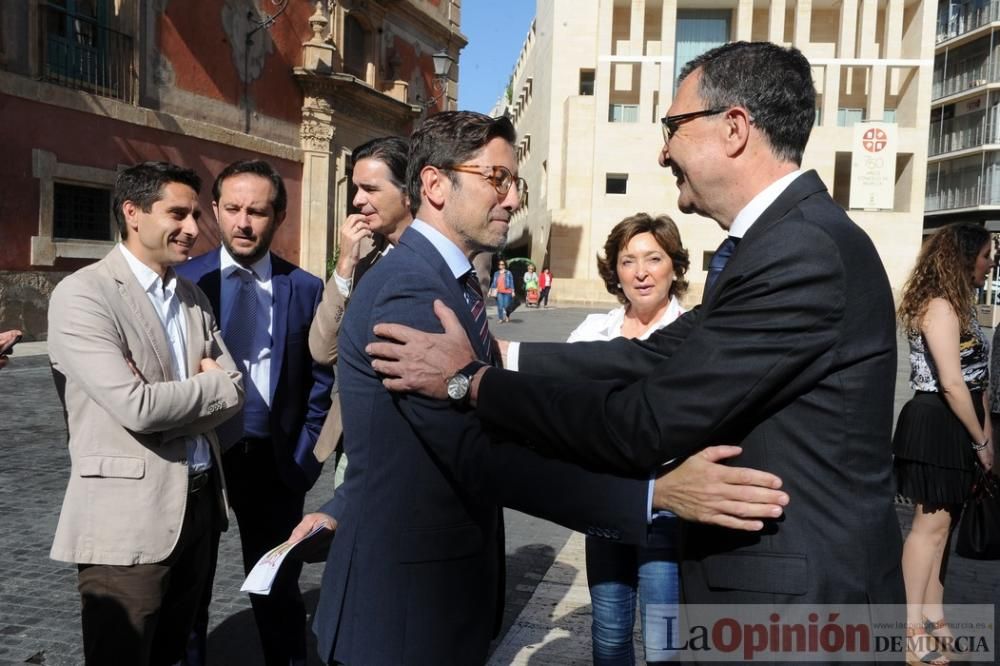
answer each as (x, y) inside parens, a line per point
(966, 76)
(965, 18)
(79, 52)
(972, 182)
(972, 130)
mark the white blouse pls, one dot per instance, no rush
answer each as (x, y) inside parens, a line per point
(608, 326)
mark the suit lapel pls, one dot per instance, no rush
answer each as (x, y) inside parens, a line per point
(424, 249)
(197, 335)
(804, 186)
(282, 294)
(138, 303)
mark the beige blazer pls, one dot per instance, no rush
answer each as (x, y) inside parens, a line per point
(127, 489)
(323, 347)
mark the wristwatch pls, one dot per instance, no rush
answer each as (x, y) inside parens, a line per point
(460, 382)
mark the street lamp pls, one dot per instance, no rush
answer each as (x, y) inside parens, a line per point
(442, 67)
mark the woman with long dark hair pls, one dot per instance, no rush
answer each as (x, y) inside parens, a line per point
(944, 431)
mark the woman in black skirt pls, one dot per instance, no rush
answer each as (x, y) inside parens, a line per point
(945, 428)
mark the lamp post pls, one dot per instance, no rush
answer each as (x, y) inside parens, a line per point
(442, 67)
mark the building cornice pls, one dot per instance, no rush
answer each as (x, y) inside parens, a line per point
(349, 96)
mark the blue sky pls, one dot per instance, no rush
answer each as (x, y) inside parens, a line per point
(496, 32)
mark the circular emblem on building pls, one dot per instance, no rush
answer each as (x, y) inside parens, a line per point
(874, 140)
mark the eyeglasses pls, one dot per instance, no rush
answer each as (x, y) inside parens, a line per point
(500, 177)
(672, 123)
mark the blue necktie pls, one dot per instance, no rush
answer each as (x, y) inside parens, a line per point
(474, 299)
(242, 324)
(240, 336)
(719, 261)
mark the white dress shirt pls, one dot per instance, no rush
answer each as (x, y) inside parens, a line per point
(162, 295)
(346, 284)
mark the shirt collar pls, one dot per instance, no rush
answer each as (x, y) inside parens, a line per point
(457, 262)
(261, 267)
(149, 279)
(753, 210)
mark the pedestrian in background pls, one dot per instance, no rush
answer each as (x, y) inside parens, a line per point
(502, 287)
(530, 280)
(544, 285)
(943, 429)
(643, 266)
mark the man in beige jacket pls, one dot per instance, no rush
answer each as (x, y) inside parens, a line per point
(383, 215)
(144, 378)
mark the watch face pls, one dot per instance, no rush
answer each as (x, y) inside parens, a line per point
(458, 386)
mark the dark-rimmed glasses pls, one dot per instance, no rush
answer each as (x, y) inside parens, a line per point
(672, 123)
(500, 177)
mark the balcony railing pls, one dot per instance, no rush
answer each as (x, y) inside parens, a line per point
(967, 17)
(966, 187)
(78, 52)
(964, 76)
(969, 131)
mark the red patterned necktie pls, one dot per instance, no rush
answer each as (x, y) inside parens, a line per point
(474, 299)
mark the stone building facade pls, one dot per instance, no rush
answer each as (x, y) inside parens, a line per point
(593, 80)
(90, 86)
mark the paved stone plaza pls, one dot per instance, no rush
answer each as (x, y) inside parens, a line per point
(39, 605)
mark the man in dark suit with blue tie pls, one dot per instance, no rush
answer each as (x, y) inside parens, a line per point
(792, 354)
(265, 305)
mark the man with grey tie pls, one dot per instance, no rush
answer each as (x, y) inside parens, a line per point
(266, 305)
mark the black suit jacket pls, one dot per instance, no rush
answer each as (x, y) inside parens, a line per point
(792, 356)
(414, 572)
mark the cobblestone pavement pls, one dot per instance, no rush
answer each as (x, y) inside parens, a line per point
(547, 617)
(39, 604)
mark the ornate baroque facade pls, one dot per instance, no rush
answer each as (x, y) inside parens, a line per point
(90, 86)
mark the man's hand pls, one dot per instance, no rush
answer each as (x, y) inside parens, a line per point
(352, 231)
(207, 364)
(705, 491)
(503, 345)
(309, 522)
(6, 339)
(421, 362)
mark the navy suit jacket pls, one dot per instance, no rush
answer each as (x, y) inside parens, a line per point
(414, 574)
(300, 389)
(793, 356)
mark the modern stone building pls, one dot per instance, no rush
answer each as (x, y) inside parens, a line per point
(963, 174)
(594, 78)
(89, 86)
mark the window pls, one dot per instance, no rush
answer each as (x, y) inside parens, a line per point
(698, 30)
(74, 210)
(355, 48)
(616, 183)
(82, 51)
(586, 82)
(847, 117)
(81, 212)
(623, 113)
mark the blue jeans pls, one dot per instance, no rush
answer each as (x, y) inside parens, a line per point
(615, 573)
(503, 303)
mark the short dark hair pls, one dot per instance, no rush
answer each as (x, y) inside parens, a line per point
(391, 151)
(258, 168)
(667, 237)
(773, 83)
(143, 185)
(447, 139)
